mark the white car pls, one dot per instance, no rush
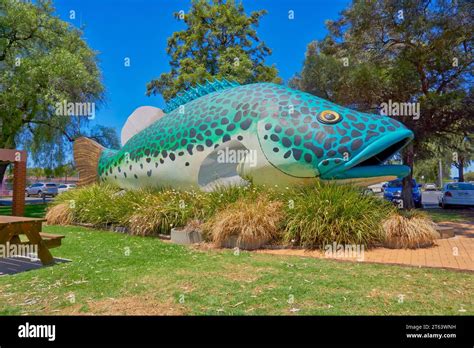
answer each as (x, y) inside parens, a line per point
(457, 193)
(66, 187)
(42, 190)
(430, 187)
(377, 188)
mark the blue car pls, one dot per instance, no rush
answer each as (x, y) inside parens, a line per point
(393, 192)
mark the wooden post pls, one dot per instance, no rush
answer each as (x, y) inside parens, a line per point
(19, 186)
(18, 158)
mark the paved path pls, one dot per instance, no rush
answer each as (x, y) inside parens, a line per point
(452, 253)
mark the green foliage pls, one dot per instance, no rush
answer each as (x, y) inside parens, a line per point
(331, 213)
(220, 41)
(314, 215)
(43, 61)
(469, 176)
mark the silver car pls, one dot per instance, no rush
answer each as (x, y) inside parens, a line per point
(42, 190)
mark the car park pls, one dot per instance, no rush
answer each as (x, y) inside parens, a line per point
(42, 189)
(457, 194)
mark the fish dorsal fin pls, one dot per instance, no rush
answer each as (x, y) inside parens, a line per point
(141, 118)
(197, 91)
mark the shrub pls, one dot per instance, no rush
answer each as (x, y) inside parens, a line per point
(330, 212)
(251, 223)
(160, 211)
(409, 229)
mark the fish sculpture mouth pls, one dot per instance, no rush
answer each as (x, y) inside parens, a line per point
(370, 161)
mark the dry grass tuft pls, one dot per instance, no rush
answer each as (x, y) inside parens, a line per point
(250, 223)
(60, 214)
(409, 230)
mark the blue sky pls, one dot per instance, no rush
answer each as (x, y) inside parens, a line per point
(139, 29)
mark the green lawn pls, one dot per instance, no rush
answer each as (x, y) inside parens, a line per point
(165, 278)
(454, 215)
(31, 210)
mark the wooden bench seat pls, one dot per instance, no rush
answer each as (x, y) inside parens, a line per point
(52, 240)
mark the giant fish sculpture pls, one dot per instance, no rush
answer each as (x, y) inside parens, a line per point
(223, 133)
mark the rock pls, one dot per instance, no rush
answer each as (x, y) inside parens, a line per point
(185, 237)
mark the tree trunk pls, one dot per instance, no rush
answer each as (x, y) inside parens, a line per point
(407, 182)
(461, 169)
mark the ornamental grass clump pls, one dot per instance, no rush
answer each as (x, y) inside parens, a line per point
(247, 224)
(330, 212)
(409, 230)
(59, 214)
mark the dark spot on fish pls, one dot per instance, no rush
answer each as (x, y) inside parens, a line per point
(320, 136)
(345, 140)
(355, 134)
(276, 149)
(297, 140)
(238, 116)
(308, 158)
(200, 148)
(297, 154)
(286, 142)
(359, 126)
(370, 134)
(329, 129)
(287, 154)
(356, 144)
(316, 150)
(325, 162)
(148, 160)
(246, 124)
(342, 150)
(268, 126)
(148, 173)
(186, 164)
(230, 127)
(301, 129)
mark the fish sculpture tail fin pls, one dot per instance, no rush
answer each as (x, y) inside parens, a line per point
(87, 153)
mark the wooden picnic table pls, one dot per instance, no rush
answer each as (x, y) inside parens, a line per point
(11, 227)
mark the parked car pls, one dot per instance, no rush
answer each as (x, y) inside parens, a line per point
(66, 187)
(457, 193)
(377, 188)
(430, 187)
(393, 192)
(42, 190)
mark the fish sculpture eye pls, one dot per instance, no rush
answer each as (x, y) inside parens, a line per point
(329, 117)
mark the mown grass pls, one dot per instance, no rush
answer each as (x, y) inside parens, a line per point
(111, 265)
(454, 215)
(31, 210)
